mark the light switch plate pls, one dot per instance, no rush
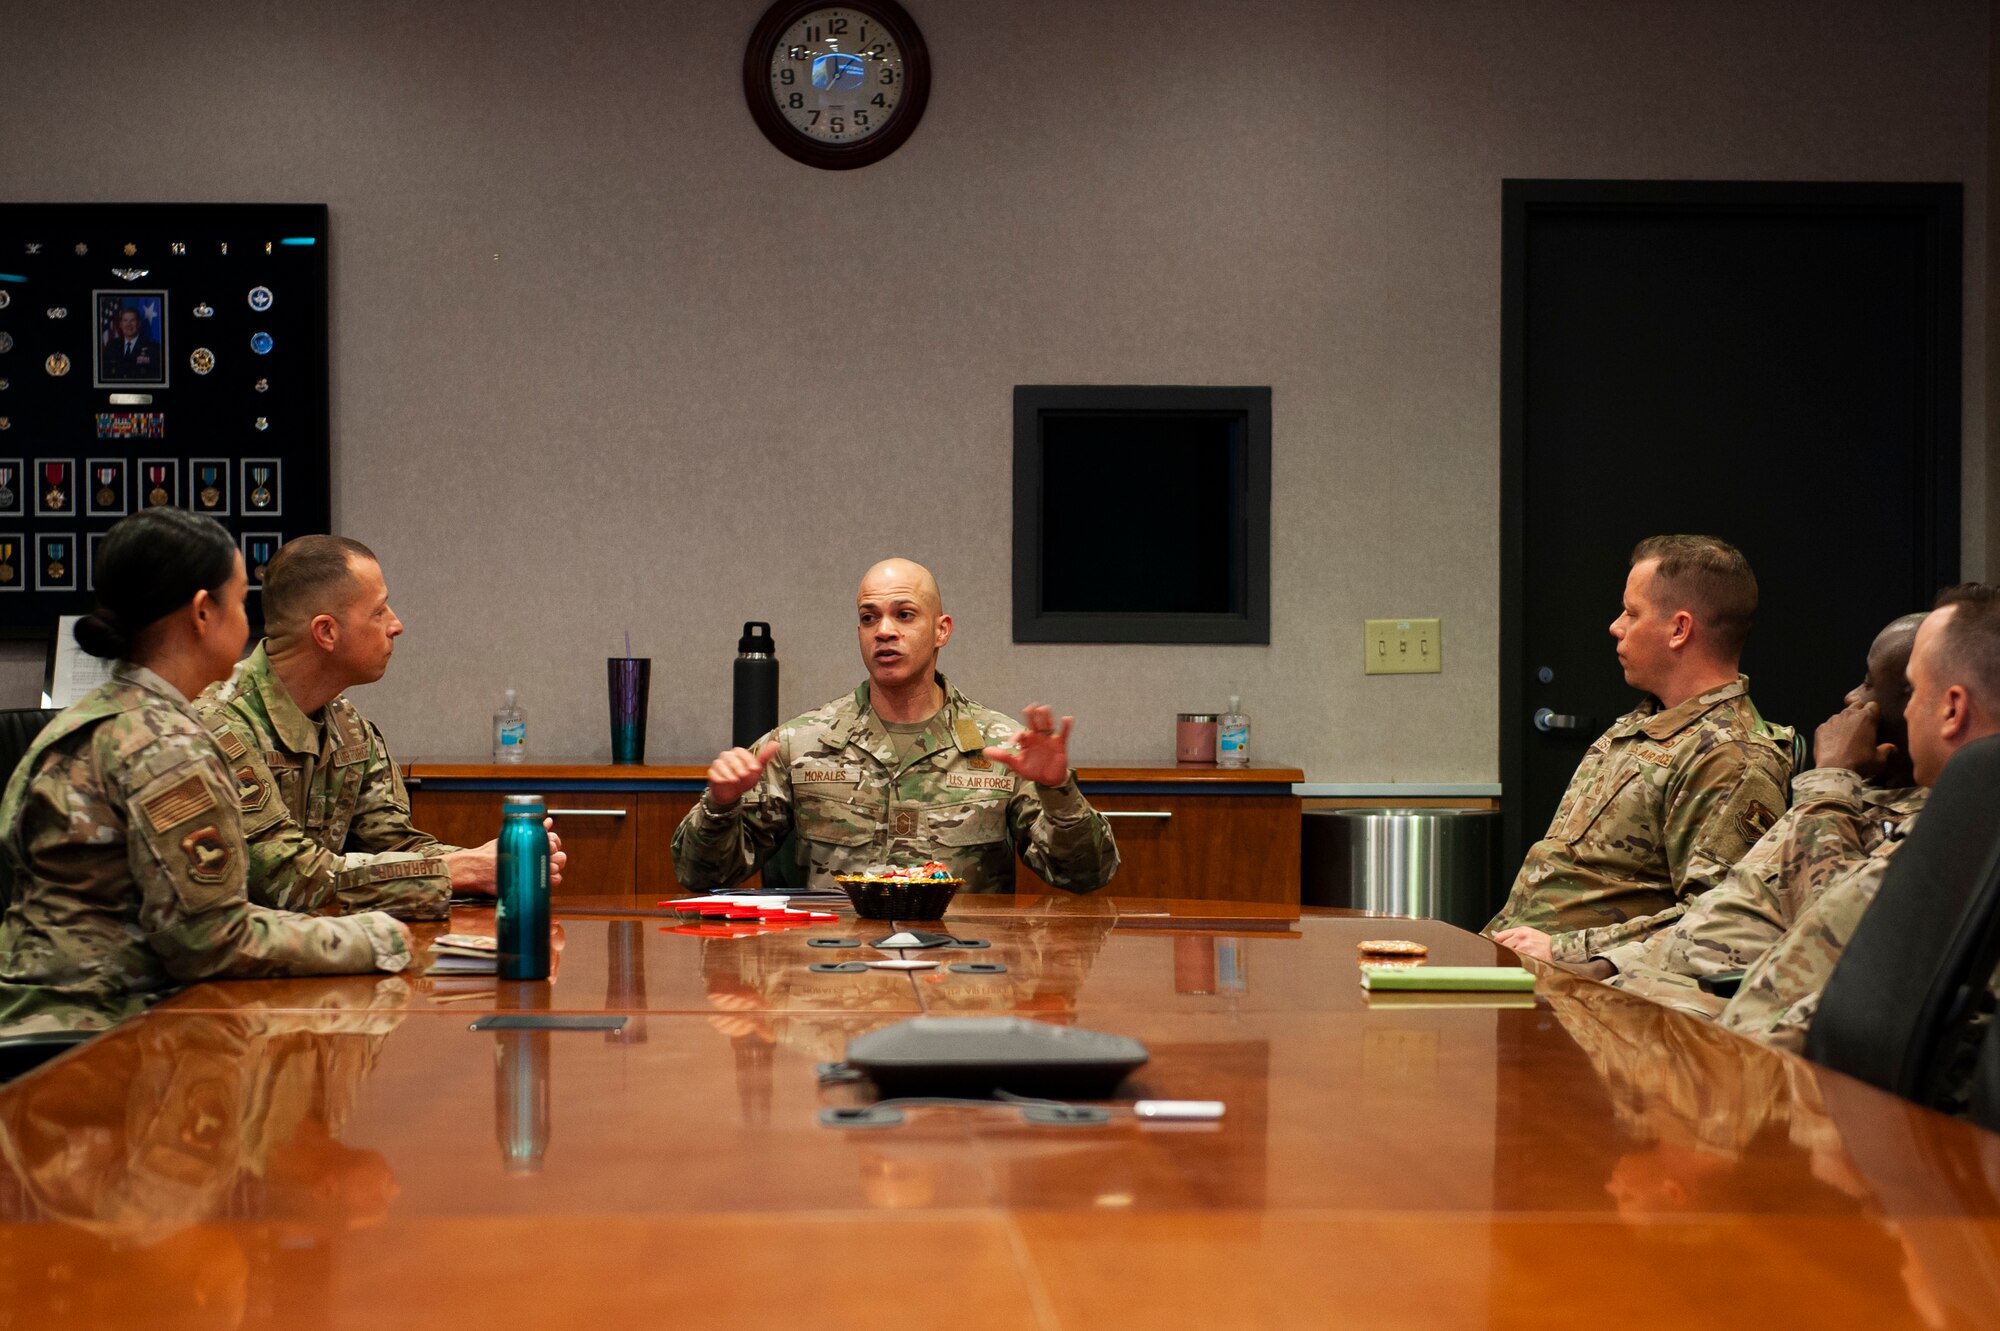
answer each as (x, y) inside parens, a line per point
(1401, 647)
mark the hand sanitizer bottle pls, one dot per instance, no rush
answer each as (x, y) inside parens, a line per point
(1232, 736)
(510, 732)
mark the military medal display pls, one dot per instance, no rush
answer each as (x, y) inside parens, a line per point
(55, 562)
(260, 485)
(208, 481)
(107, 487)
(151, 356)
(258, 547)
(161, 479)
(56, 497)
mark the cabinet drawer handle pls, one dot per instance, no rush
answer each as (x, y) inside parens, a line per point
(1137, 813)
(586, 813)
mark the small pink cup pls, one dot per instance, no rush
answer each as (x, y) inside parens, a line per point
(1194, 737)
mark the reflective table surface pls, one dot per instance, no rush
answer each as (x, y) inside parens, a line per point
(352, 1152)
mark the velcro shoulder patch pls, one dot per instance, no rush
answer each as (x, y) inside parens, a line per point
(178, 804)
(226, 739)
(1755, 820)
(207, 854)
(251, 791)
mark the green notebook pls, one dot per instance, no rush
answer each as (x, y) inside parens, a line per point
(1511, 979)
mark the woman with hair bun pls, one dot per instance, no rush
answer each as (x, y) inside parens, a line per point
(122, 820)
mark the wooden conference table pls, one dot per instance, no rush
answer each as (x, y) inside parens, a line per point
(348, 1152)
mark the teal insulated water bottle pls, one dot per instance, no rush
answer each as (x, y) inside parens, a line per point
(523, 908)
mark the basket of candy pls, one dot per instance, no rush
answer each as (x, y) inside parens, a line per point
(887, 893)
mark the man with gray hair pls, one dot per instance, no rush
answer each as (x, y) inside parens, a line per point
(325, 812)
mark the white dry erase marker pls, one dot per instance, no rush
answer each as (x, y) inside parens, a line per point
(1178, 1109)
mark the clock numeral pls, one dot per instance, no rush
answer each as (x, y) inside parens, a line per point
(796, 101)
(836, 27)
(815, 118)
(875, 51)
(813, 33)
(795, 53)
(878, 100)
(888, 74)
(837, 125)
(863, 38)
(861, 119)
(787, 77)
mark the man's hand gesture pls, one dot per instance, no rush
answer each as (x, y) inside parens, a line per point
(735, 771)
(1041, 751)
(1847, 739)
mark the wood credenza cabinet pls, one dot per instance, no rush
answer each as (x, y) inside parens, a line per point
(1198, 832)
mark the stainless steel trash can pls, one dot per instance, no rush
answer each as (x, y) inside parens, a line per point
(1434, 864)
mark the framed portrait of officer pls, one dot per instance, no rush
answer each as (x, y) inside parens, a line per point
(131, 339)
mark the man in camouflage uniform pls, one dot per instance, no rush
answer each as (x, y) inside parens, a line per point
(1675, 791)
(129, 871)
(323, 803)
(1841, 810)
(1954, 699)
(904, 770)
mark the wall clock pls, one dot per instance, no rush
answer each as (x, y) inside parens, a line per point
(837, 85)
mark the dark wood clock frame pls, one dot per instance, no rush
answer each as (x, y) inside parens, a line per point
(837, 156)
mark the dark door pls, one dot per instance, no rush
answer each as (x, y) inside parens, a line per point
(1777, 365)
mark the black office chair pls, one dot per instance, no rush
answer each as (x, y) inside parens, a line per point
(1986, 1087)
(1896, 1009)
(18, 728)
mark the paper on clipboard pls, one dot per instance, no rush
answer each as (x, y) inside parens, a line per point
(72, 672)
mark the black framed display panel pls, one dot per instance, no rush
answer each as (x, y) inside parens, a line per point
(1142, 513)
(155, 354)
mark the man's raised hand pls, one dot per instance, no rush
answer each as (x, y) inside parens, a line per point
(736, 770)
(1041, 751)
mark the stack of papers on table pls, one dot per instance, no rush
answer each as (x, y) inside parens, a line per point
(464, 954)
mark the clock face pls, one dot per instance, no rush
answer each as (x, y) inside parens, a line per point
(836, 85)
(837, 76)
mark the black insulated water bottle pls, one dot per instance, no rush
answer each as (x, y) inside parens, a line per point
(755, 707)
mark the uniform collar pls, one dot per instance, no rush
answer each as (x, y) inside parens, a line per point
(129, 672)
(299, 732)
(867, 730)
(1665, 724)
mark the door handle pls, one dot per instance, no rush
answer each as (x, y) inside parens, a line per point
(1547, 721)
(586, 813)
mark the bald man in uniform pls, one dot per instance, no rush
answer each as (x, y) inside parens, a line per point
(904, 770)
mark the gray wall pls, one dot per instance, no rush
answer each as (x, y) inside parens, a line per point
(585, 376)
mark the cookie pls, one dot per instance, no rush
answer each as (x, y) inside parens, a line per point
(1392, 947)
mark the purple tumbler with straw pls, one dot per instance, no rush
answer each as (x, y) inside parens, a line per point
(631, 683)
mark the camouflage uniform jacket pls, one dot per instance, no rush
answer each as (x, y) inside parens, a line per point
(1780, 994)
(1835, 821)
(129, 870)
(837, 781)
(1659, 809)
(324, 807)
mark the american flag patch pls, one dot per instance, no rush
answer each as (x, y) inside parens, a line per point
(178, 804)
